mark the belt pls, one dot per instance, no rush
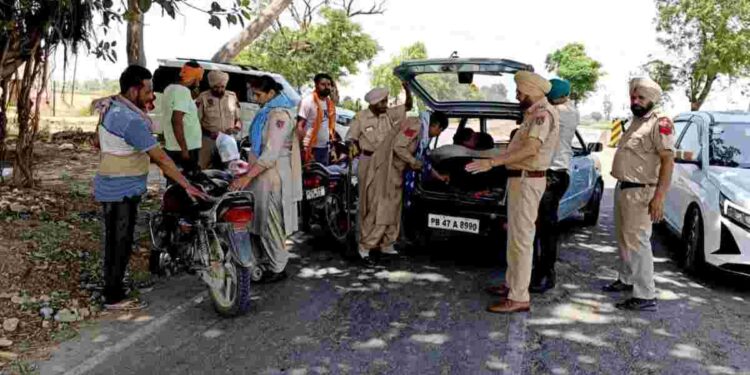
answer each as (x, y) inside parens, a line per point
(367, 153)
(633, 185)
(522, 173)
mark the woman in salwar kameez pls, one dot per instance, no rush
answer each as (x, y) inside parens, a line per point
(275, 176)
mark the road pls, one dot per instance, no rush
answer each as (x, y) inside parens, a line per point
(424, 312)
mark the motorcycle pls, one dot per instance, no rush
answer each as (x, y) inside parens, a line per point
(330, 199)
(208, 238)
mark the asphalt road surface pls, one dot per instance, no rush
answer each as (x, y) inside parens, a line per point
(424, 312)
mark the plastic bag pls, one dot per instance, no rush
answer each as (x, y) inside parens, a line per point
(227, 146)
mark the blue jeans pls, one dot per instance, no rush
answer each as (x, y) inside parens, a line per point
(321, 155)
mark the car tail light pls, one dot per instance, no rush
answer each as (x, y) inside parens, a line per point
(312, 182)
(238, 215)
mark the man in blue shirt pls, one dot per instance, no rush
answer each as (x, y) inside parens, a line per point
(127, 147)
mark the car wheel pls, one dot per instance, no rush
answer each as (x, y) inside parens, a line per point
(692, 238)
(591, 212)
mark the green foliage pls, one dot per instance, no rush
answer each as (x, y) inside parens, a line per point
(58, 300)
(49, 238)
(351, 104)
(382, 75)
(441, 86)
(336, 46)
(663, 74)
(64, 333)
(21, 367)
(707, 38)
(572, 63)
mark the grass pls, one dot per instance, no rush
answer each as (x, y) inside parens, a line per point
(64, 333)
(21, 367)
(58, 300)
(49, 238)
(78, 189)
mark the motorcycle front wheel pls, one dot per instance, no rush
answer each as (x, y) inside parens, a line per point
(230, 282)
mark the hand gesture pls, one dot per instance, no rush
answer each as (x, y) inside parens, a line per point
(656, 208)
(196, 193)
(240, 183)
(479, 166)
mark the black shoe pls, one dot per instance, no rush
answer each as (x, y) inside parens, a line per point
(367, 261)
(272, 277)
(542, 284)
(617, 286)
(637, 304)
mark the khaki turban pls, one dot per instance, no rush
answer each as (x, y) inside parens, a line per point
(376, 95)
(217, 77)
(647, 88)
(532, 84)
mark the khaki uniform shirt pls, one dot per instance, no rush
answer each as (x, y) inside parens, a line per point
(541, 122)
(637, 156)
(218, 114)
(370, 130)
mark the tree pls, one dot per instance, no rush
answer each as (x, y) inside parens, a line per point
(596, 116)
(607, 107)
(573, 64)
(495, 93)
(441, 86)
(303, 14)
(663, 74)
(234, 47)
(707, 39)
(30, 32)
(382, 75)
(335, 46)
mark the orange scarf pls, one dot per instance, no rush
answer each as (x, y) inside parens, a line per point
(319, 122)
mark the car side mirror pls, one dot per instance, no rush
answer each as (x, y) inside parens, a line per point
(595, 147)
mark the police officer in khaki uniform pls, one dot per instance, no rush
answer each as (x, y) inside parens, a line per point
(367, 132)
(527, 159)
(643, 168)
(218, 111)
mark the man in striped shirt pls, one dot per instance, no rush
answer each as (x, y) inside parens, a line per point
(127, 147)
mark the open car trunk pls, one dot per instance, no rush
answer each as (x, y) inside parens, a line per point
(490, 184)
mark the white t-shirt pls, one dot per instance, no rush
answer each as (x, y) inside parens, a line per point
(569, 120)
(308, 110)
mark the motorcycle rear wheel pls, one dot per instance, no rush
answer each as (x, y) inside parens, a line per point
(232, 297)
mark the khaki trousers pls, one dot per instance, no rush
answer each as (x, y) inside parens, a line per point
(633, 229)
(524, 195)
(372, 235)
(208, 147)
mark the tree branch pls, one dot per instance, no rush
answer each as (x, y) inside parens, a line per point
(376, 8)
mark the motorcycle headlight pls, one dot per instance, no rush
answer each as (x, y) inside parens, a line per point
(735, 213)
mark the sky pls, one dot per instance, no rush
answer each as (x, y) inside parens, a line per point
(619, 34)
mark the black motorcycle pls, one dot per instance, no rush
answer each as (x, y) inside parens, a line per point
(208, 238)
(329, 202)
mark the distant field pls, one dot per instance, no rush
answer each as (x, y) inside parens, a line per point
(598, 125)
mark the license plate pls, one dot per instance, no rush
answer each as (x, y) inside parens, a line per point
(315, 193)
(457, 224)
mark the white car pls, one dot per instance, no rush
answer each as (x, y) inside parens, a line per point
(708, 203)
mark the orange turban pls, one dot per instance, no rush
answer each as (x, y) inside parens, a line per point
(188, 73)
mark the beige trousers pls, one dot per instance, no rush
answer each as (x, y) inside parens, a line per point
(208, 146)
(372, 235)
(524, 195)
(633, 229)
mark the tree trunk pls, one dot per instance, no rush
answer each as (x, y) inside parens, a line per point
(697, 99)
(231, 49)
(135, 49)
(28, 122)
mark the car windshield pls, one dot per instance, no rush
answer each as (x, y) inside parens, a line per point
(730, 145)
(445, 87)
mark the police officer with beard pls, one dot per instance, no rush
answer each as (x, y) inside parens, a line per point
(643, 167)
